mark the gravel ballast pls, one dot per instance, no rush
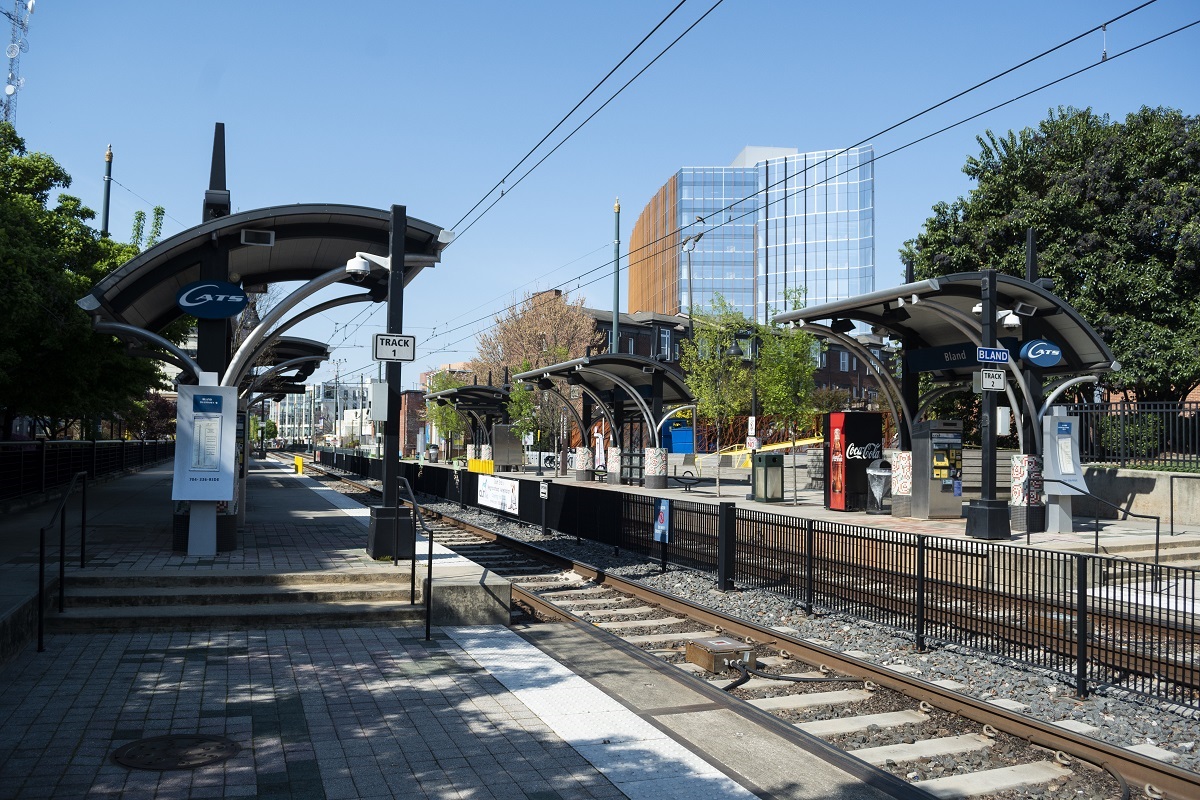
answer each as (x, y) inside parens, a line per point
(1121, 718)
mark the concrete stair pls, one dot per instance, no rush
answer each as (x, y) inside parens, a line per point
(235, 599)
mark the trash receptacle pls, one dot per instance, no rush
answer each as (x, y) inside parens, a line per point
(768, 477)
(879, 486)
(431, 455)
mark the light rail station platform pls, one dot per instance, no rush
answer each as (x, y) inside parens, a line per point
(358, 710)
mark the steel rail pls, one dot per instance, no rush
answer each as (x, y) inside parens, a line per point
(1171, 783)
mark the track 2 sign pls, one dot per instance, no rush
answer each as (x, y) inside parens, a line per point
(395, 347)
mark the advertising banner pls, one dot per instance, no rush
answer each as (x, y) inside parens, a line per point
(854, 439)
(205, 443)
(499, 493)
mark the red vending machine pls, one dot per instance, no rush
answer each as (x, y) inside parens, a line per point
(853, 439)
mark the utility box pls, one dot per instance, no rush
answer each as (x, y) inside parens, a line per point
(507, 451)
(937, 469)
(711, 654)
(768, 477)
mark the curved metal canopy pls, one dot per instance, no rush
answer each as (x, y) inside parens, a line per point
(927, 325)
(608, 371)
(475, 399)
(267, 245)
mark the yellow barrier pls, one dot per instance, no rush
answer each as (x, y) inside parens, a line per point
(299, 465)
(481, 465)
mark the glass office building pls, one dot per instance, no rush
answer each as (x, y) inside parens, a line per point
(774, 221)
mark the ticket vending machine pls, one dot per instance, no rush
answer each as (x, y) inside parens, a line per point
(853, 439)
(937, 469)
(1061, 471)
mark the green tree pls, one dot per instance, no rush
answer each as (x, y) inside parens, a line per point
(154, 418)
(784, 377)
(1116, 207)
(718, 380)
(522, 408)
(53, 367)
(445, 417)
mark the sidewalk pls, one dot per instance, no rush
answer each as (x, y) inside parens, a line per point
(350, 712)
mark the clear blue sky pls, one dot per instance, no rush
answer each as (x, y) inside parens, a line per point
(429, 104)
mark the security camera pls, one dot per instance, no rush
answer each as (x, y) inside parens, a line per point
(358, 268)
(1010, 320)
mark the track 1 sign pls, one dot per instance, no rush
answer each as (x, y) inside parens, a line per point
(394, 347)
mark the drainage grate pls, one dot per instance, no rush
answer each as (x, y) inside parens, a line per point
(176, 752)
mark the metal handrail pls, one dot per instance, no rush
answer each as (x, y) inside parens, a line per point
(417, 518)
(1126, 512)
(60, 514)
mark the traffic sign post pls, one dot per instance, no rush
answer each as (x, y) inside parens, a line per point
(394, 347)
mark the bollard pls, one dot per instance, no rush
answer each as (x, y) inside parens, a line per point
(299, 465)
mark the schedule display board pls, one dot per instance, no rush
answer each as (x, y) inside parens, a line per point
(205, 443)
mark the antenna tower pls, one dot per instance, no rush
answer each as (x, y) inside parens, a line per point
(17, 44)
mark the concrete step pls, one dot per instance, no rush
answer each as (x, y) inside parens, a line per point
(235, 578)
(115, 597)
(238, 617)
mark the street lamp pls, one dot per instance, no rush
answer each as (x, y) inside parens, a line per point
(689, 245)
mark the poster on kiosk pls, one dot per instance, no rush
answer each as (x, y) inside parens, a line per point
(853, 440)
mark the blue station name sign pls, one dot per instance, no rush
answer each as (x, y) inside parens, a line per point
(963, 355)
(212, 299)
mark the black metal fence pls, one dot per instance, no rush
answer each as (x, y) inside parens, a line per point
(1165, 435)
(1096, 620)
(37, 467)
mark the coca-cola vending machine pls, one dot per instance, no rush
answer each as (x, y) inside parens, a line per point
(853, 439)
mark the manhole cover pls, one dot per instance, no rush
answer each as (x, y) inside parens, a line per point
(176, 752)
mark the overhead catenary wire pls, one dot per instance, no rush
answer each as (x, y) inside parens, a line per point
(667, 237)
(589, 118)
(567, 116)
(834, 154)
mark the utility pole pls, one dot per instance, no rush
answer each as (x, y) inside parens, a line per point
(614, 340)
(108, 159)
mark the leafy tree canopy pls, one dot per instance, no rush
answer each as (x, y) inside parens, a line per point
(51, 363)
(719, 381)
(784, 373)
(1116, 208)
(446, 419)
(543, 329)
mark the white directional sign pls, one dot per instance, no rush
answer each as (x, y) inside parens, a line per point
(992, 380)
(394, 347)
(991, 355)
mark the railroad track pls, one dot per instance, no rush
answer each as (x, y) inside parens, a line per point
(942, 740)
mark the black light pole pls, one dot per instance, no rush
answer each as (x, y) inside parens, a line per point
(987, 517)
(384, 517)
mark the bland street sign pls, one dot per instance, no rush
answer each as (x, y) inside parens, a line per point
(390, 347)
(992, 355)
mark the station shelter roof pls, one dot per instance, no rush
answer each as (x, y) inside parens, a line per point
(920, 315)
(474, 399)
(608, 371)
(267, 245)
